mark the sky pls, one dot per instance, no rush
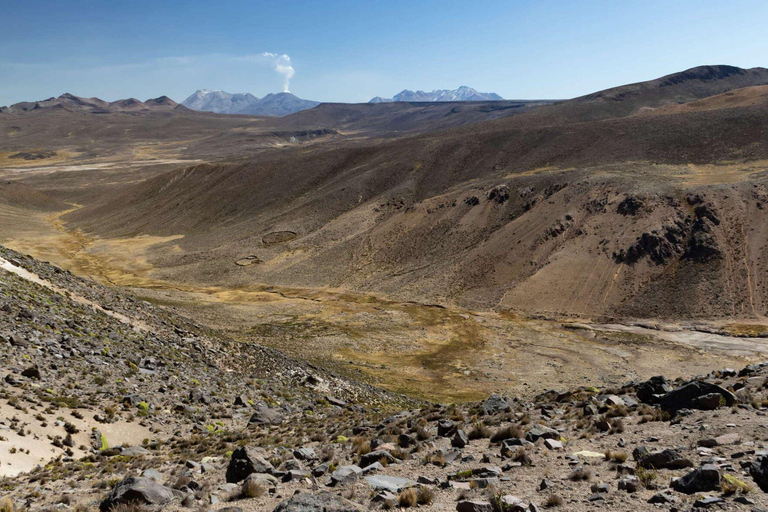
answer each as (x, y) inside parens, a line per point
(351, 51)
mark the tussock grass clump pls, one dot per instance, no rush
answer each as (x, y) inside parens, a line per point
(480, 431)
(648, 414)
(647, 477)
(408, 498)
(361, 445)
(425, 495)
(618, 457)
(6, 504)
(617, 411)
(508, 432)
(580, 474)
(552, 501)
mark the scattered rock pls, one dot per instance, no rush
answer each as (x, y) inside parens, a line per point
(389, 483)
(346, 474)
(319, 502)
(703, 479)
(690, 396)
(265, 415)
(460, 439)
(665, 459)
(473, 506)
(495, 404)
(140, 490)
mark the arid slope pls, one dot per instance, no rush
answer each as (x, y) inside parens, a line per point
(627, 216)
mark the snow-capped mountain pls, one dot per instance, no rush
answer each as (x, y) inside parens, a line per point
(463, 93)
(223, 102)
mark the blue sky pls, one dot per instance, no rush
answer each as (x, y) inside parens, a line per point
(354, 50)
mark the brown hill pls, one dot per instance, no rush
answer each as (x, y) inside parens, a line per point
(71, 103)
(746, 97)
(405, 117)
(632, 216)
(677, 88)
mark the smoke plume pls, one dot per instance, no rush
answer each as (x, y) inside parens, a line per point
(283, 66)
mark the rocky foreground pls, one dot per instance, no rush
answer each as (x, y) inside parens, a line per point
(111, 403)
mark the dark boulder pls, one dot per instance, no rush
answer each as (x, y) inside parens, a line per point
(665, 459)
(140, 490)
(346, 474)
(446, 428)
(759, 473)
(686, 397)
(708, 402)
(474, 506)
(704, 479)
(33, 372)
(651, 390)
(541, 432)
(244, 461)
(460, 439)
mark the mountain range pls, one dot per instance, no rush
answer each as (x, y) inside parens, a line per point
(463, 93)
(72, 103)
(222, 102)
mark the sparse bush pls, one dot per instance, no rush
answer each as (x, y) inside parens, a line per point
(617, 426)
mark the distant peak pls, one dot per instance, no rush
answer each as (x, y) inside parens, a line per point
(462, 93)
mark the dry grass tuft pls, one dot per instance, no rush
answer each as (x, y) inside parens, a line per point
(553, 500)
(408, 498)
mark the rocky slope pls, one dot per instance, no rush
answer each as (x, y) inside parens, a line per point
(241, 426)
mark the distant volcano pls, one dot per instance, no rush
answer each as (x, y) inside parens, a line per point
(221, 102)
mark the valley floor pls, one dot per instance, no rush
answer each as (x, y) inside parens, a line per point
(421, 350)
